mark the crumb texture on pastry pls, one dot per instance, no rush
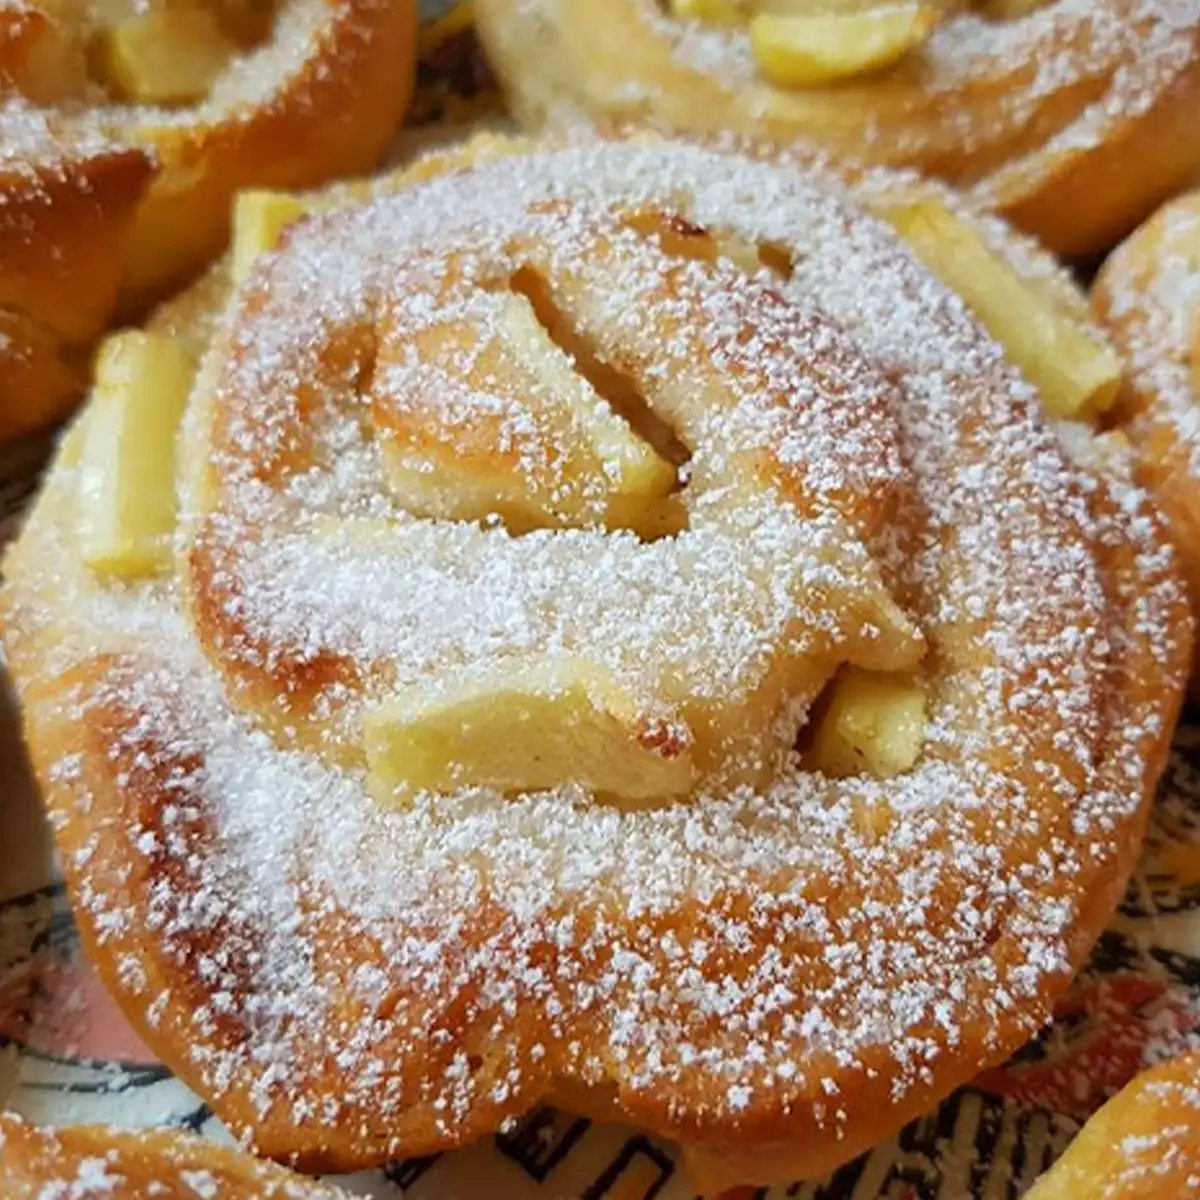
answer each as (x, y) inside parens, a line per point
(1074, 118)
(773, 966)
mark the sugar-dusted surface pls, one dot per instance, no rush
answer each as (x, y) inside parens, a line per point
(1039, 115)
(804, 960)
(748, 590)
(1116, 57)
(98, 1163)
(36, 138)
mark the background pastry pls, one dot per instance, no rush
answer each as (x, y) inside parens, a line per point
(94, 1162)
(437, 751)
(1074, 118)
(127, 128)
(1148, 295)
(1142, 1145)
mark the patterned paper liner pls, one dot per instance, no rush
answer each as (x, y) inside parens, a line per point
(66, 1054)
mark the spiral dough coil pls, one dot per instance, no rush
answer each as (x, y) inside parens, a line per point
(645, 442)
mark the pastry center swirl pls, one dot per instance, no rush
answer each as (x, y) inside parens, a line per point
(577, 498)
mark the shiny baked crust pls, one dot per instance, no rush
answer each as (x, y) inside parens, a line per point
(121, 1164)
(105, 206)
(775, 976)
(1073, 121)
(1144, 1144)
(62, 224)
(1148, 296)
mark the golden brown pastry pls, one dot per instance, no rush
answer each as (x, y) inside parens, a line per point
(1148, 296)
(1144, 1144)
(93, 1162)
(1073, 118)
(611, 628)
(125, 130)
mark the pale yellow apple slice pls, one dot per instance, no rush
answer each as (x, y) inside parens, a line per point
(874, 724)
(1077, 374)
(573, 461)
(826, 48)
(813, 8)
(711, 12)
(127, 461)
(167, 55)
(259, 219)
(522, 729)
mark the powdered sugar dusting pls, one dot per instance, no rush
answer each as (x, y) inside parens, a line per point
(987, 102)
(390, 972)
(100, 1163)
(85, 122)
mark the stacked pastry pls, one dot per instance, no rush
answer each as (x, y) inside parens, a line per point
(675, 629)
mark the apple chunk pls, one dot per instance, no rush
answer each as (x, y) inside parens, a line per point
(127, 464)
(711, 12)
(545, 451)
(826, 48)
(524, 729)
(1076, 373)
(166, 56)
(259, 219)
(875, 724)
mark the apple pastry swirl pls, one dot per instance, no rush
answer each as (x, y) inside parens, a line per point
(611, 627)
(1073, 118)
(127, 127)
